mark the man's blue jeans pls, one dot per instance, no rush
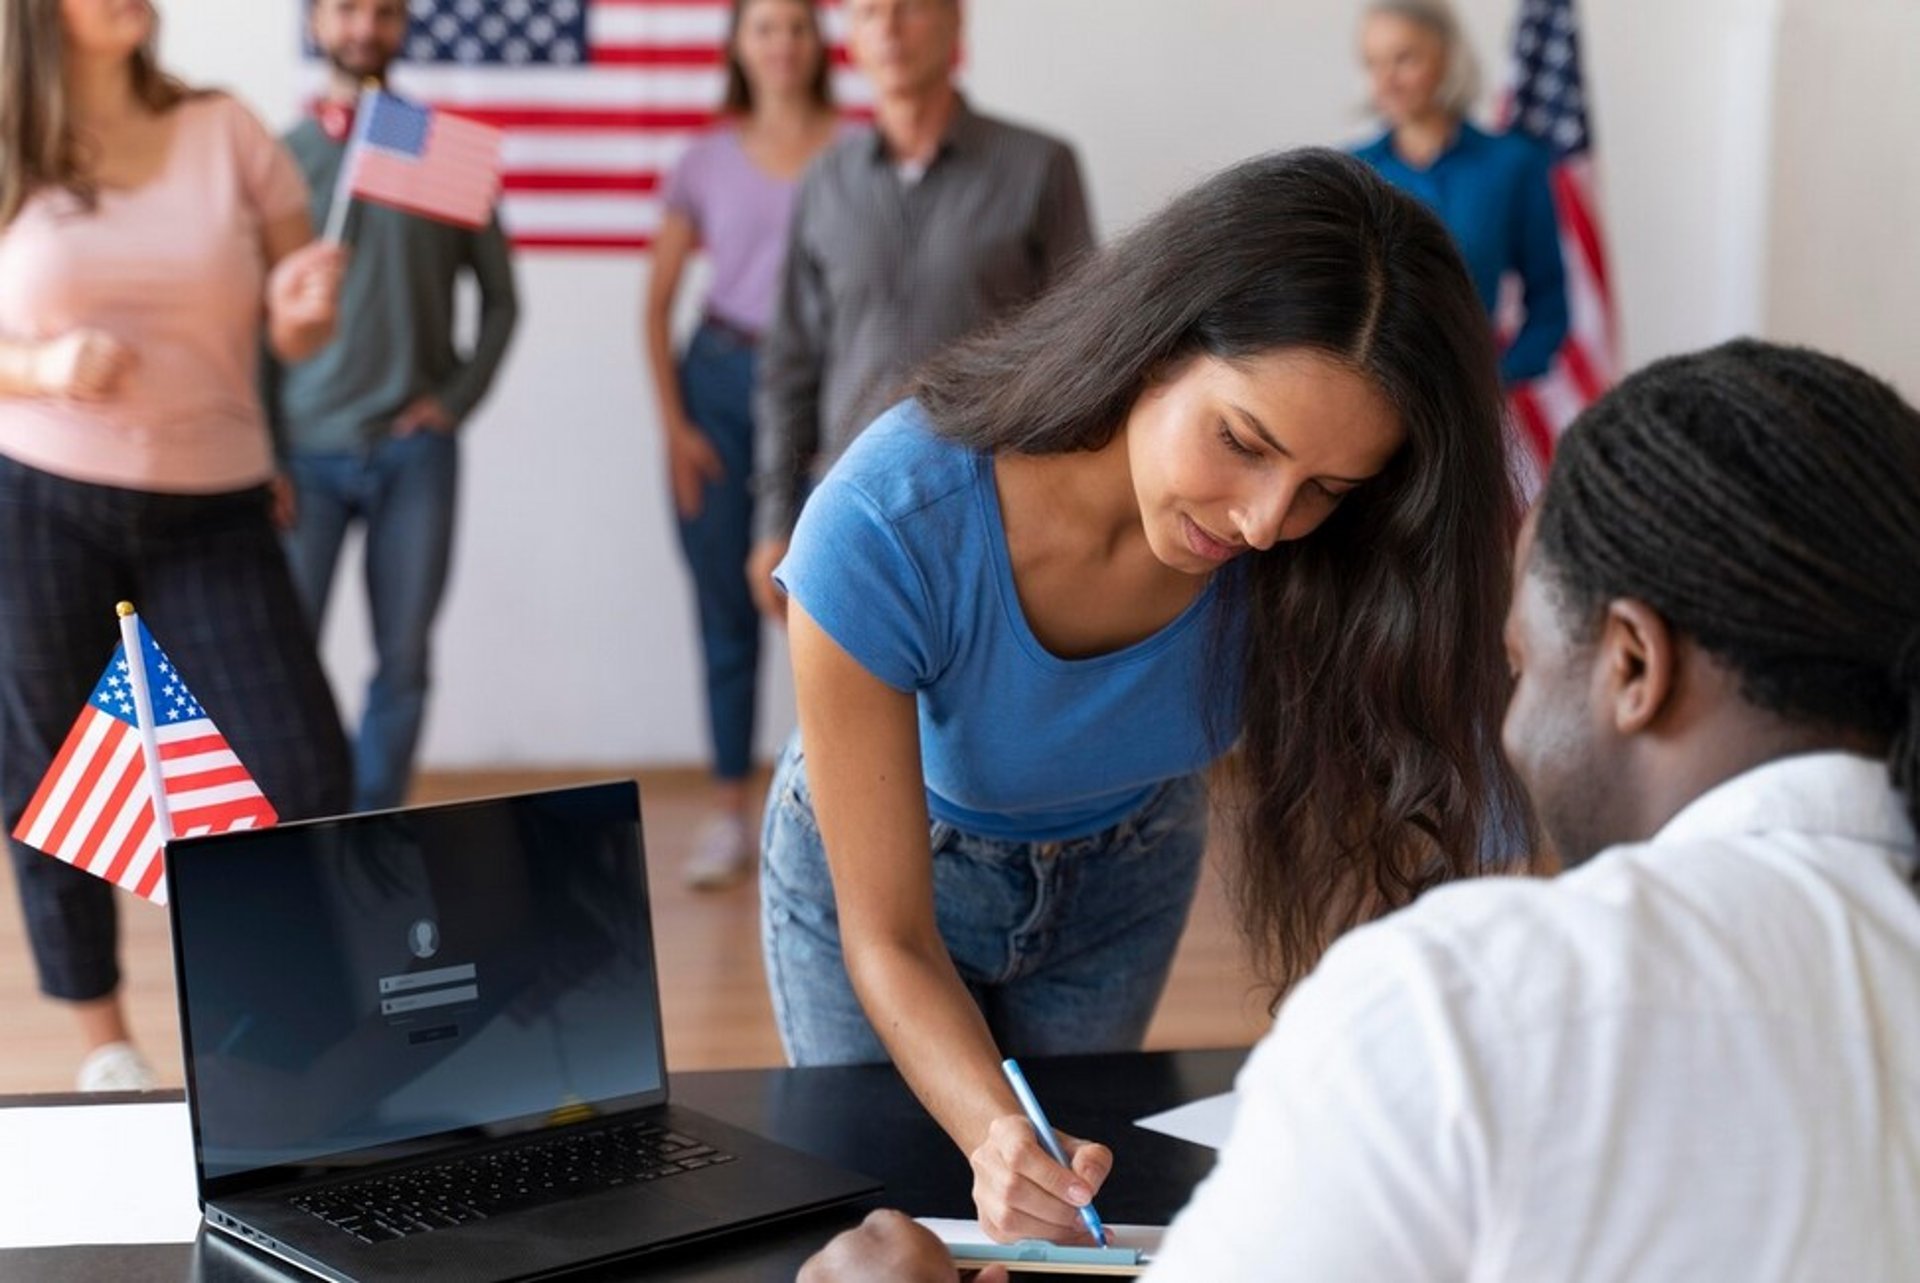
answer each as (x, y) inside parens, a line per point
(1065, 946)
(402, 490)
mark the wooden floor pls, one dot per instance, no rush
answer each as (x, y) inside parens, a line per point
(713, 990)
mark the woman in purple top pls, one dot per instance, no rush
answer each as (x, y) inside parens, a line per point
(732, 194)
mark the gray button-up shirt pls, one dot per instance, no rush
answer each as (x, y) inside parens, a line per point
(882, 272)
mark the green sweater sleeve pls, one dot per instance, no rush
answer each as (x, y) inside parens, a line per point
(492, 267)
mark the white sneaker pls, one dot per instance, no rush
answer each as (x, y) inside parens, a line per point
(118, 1066)
(722, 854)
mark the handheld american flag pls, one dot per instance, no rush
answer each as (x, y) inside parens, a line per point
(420, 160)
(595, 100)
(95, 808)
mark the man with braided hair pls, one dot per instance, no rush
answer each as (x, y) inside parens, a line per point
(1693, 1055)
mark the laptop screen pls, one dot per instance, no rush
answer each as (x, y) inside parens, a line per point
(376, 986)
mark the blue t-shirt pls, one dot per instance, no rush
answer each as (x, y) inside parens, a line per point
(901, 556)
(1493, 193)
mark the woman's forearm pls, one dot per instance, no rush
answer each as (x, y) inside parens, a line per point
(666, 378)
(935, 1033)
(674, 244)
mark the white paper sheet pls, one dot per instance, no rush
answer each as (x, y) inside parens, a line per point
(1144, 1238)
(73, 1174)
(1204, 1122)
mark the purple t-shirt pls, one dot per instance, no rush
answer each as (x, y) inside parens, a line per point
(741, 212)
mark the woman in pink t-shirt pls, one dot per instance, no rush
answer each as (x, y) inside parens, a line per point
(732, 195)
(150, 237)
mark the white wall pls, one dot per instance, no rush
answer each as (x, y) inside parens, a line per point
(1163, 93)
(1843, 254)
(1752, 181)
(1682, 133)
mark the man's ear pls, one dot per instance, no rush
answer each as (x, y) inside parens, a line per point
(1637, 654)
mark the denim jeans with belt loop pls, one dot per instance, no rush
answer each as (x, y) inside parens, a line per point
(1065, 946)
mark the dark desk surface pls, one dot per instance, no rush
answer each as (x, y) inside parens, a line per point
(861, 1118)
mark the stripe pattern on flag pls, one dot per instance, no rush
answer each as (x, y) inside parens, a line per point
(1548, 101)
(94, 808)
(427, 162)
(595, 100)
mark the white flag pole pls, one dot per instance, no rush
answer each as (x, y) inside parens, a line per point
(143, 710)
(343, 181)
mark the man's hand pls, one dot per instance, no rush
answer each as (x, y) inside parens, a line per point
(423, 412)
(888, 1248)
(286, 501)
(85, 365)
(766, 555)
(1020, 1192)
(692, 463)
(303, 298)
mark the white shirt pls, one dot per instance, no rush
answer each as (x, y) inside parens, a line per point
(1693, 1059)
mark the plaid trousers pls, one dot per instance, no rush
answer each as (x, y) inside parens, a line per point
(209, 578)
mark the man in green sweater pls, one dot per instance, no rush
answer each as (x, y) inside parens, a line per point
(368, 428)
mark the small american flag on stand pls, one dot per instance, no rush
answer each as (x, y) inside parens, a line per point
(423, 161)
(1548, 102)
(95, 807)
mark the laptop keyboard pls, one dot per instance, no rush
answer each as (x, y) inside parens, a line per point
(422, 1199)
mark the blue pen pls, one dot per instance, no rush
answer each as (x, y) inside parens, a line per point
(1037, 1116)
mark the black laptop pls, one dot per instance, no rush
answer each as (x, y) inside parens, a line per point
(425, 1044)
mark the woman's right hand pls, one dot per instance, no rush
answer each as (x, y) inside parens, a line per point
(1020, 1192)
(692, 463)
(83, 365)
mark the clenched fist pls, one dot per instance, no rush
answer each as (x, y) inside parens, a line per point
(85, 365)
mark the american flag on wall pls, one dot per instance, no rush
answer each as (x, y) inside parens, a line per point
(596, 98)
(1548, 101)
(95, 807)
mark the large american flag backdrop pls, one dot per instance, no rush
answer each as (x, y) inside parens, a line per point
(1548, 101)
(597, 98)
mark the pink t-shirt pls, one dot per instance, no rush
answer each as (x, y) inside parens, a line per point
(176, 270)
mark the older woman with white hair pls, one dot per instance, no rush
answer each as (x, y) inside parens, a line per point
(1491, 190)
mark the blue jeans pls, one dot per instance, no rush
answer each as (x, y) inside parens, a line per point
(716, 385)
(403, 490)
(1065, 946)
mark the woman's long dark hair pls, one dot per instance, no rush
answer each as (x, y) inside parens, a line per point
(1766, 501)
(739, 95)
(1374, 679)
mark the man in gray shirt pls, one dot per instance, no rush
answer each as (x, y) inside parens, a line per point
(367, 430)
(904, 239)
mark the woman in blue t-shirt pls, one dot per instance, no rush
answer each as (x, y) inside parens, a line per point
(1031, 605)
(1491, 190)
